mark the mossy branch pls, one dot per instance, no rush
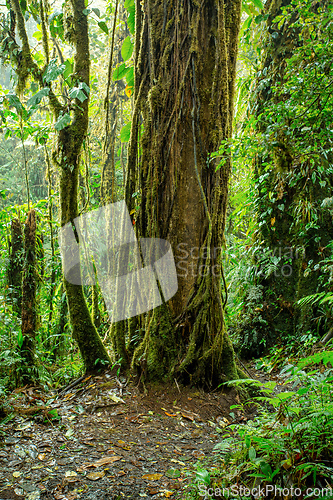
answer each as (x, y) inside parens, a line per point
(26, 65)
(43, 13)
(81, 66)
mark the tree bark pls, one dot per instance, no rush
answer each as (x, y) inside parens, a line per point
(185, 57)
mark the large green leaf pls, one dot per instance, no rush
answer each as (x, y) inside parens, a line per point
(127, 49)
(80, 92)
(258, 4)
(56, 24)
(125, 133)
(53, 71)
(129, 4)
(119, 72)
(23, 5)
(69, 69)
(103, 27)
(130, 77)
(36, 99)
(247, 23)
(62, 122)
(247, 10)
(20, 338)
(14, 101)
(266, 469)
(38, 35)
(131, 22)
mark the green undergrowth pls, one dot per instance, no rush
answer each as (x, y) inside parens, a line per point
(286, 449)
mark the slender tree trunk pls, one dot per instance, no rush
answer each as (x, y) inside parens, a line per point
(15, 267)
(60, 325)
(50, 210)
(29, 287)
(68, 149)
(184, 91)
(69, 146)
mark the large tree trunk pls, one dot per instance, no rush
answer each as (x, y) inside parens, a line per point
(184, 90)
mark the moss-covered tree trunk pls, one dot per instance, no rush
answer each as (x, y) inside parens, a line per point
(68, 148)
(185, 57)
(15, 266)
(67, 157)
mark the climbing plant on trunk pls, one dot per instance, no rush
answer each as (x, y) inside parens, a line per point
(185, 57)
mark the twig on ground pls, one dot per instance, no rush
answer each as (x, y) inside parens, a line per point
(73, 384)
(177, 386)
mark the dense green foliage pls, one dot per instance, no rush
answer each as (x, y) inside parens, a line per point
(287, 443)
(278, 261)
(280, 219)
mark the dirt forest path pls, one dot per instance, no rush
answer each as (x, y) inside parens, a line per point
(102, 439)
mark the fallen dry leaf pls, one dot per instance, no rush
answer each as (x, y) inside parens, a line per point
(69, 395)
(152, 477)
(104, 461)
(116, 399)
(70, 473)
(189, 417)
(88, 444)
(71, 495)
(168, 494)
(123, 445)
(177, 461)
(94, 476)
